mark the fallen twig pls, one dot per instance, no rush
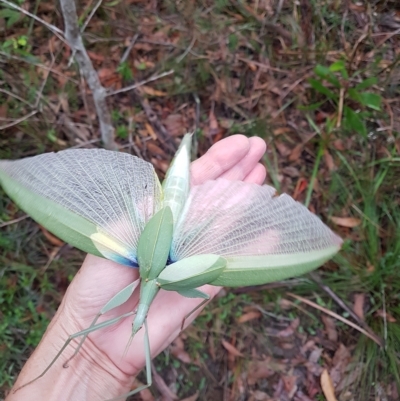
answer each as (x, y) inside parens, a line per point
(8, 223)
(17, 121)
(74, 38)
(135, 86)
(160, 130)
(372, 336)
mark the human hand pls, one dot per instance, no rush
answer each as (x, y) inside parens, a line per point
(234, 158)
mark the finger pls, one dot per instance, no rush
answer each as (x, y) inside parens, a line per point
(223, 156)
(245, 166)
(257, 175)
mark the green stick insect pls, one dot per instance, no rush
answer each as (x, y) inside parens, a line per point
(223, 233)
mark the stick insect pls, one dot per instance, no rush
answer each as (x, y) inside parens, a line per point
(223, 233)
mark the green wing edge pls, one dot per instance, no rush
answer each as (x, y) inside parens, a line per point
(65, 224)
(242, 271)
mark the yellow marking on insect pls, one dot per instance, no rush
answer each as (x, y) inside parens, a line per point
(106, 244)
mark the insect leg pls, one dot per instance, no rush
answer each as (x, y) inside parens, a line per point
(149, 377)
(194, 293)
(117, 300)
(71, 337)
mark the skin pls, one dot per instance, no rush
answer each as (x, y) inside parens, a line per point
(101, 370)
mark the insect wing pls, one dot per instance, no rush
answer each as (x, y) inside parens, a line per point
(262, 236)
(98, 201)
(176, 183)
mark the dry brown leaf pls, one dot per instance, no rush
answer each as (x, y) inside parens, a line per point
(178, 351)
(283, 149)
(154, 149)
(385, 315)
(339, 145)
(161, 165)
(52, 238)
(296, 152)
(145, 394)
(258, 370)
(193, 397)
(213, 122)
(166, 393)
(105, 73)
(359, 305)
(291, 171)
(290, 385)
(211, 348)
(349, 222)
(3, 111)
(327, 386)
(139, 64)
(148, 90)
(300, 396)
(301, 186)
(290, 330)
(330, 327)
(329, 161)
(315, 354)
(175, 125)
(281, 130)
(370, 267)
(226, 123)
(150, 131)
(249, 316)
(231, 349)
(350, 377)
(358, 7)
(340, 362)
(97, 57)
(260, 396)
(285, 304)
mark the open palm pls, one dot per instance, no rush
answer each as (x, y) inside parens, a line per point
(234, 158)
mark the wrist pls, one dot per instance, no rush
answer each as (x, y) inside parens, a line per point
(90, 375)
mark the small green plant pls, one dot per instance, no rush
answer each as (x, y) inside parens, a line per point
(352, 103)
(122, 131)
(125, 71)
(10, 16)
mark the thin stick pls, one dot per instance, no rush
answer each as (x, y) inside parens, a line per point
(159, 128)
(44, 67)
(134, 86)
(74, 38)
(315, 276)
(54, 29)
(90, 16)
(373, 337)
(128, 49)
(340, 108)
(15, 96)
(8, 223)
(39, 94)
(185, 53)
(15, 122)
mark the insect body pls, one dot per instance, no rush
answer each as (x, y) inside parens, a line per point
(222, 232)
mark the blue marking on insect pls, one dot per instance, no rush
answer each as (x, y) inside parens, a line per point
(131, 262)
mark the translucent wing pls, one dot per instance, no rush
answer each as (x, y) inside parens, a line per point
(177, 180)
(263, 237)
(96, 200)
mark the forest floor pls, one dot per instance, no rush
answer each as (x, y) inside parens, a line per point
(319, 81)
